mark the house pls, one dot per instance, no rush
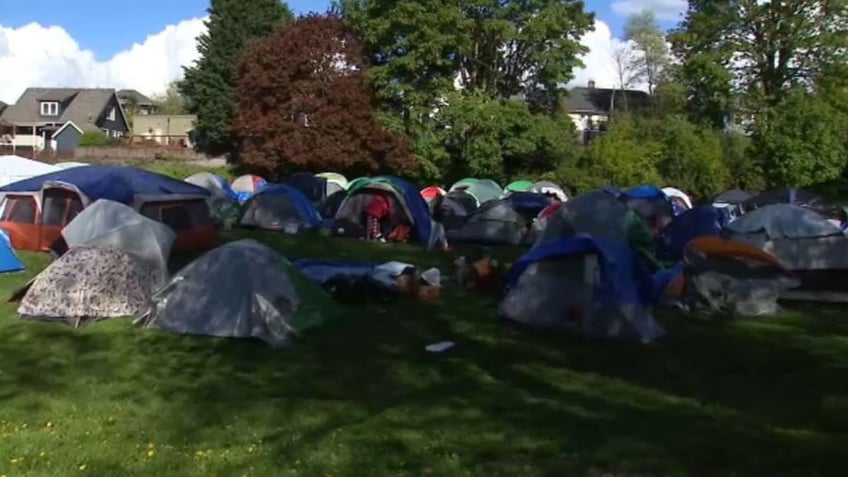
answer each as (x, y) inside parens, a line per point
(55, 118)
(165, 129)
(2, 107)
(590, 107)
(136, 104)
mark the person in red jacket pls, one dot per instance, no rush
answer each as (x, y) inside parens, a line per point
(376, 211)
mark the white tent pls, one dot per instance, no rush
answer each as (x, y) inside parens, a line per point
(105, 223)
(69, 164)
(17, 168)
(671, 192)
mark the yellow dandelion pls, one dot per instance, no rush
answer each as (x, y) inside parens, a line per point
(49, 424)
(151, 453)
(83, 467)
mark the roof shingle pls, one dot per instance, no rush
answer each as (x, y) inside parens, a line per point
(81, 105)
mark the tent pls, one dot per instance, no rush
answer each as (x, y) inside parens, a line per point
(328, 208)
(484, 190)
(680, 201)
(727, 277)
(106, 223)
(223, 203)
(786, 196)
(17, 168)
(495, 222)
(518, 186)
(89, 283)
(431, 193)
(462, 183)
(588, 286)
(529, 204)
(732, 197)
(549, 188)
(243, 289)
(315, 188)
(9, 261)
(34, 211)
(246, 185)
(691, 224)
(648, 201)
(70, 164)
(279, 207)
(408, 209)
(334, 178)
(453, 209)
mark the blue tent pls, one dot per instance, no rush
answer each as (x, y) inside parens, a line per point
(529, 202)
(116, 183)
(617, 305)
(301, 203)
(644, 192)
(313, 187)
(696, 222)
(417, 206)
(9, 261)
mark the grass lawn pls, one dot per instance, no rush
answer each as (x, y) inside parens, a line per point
(361, 397)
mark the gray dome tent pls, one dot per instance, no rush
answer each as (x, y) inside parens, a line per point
(495, 222)
(596, 213)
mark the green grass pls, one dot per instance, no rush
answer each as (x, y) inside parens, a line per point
(361, 397)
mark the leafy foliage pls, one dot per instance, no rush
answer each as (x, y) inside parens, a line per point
(304, 104)
(95, 139)
(171, 101)
(209, 84)
(801, 140)
(649, 43)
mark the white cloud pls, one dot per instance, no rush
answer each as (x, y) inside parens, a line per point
(664, 10)
(599, 65)
(35, 55)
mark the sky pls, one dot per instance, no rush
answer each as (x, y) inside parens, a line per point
(143, 45)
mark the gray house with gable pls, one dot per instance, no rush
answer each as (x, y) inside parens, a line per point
(55, 118)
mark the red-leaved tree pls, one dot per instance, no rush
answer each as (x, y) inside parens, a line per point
(304, 105)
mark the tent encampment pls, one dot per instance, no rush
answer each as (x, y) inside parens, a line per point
(649, 202)
(279, 207)
(484, 190)
(223, 203)
(518, 186)
(700, 221)
(591, 287)
(243, 289)
(549, 188)
(246, 185)
(431, 193)
(9, 261)
(89, 283)
(334, 178)
(315, 188)
(680, 201)
(34, 211)
(106, 223)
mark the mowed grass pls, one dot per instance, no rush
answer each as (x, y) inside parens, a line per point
(361, 397)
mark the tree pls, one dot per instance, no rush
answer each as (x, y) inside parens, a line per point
(648, 42)
(171, 101)
(761, 49)
(304, 104)
(746, 172)
(209, 84)
(801, 140)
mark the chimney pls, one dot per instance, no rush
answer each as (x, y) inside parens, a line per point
(591, 84)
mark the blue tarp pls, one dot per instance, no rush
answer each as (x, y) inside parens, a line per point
(116, 183)
(697, 222)
(9, 261)
(303, 205)
(528, 201)
(623, 278)
(417, 206)
(644, 192)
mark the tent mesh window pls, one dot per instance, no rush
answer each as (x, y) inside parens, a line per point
(60, 206)
(19, 209)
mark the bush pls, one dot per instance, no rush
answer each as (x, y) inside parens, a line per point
(96, 139)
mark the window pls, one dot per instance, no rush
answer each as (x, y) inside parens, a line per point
(49, 108)
(20, 209)
(59, 206)
(111, 115)
(176, 216)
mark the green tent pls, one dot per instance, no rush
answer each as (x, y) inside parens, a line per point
(518, 186)
(462, 184)
(485, 190)
(357, 183)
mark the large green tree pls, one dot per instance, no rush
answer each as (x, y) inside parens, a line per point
(209, 84)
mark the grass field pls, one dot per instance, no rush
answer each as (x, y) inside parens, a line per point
(361, 397)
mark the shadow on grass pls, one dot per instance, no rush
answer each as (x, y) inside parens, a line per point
(360, 396)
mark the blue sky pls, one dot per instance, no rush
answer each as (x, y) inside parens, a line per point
(106, 28)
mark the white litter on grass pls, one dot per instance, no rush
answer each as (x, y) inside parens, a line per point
(432, 277)
(440, 347)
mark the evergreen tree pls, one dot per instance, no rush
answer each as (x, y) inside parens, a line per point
(209, 84)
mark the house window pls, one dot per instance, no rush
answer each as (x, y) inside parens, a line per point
(111, 115)
(49, 108)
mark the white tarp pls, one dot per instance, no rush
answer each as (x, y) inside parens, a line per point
(105, 223)
(17, 168)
